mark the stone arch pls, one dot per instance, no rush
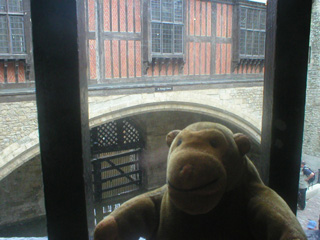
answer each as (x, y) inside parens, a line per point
(19, 153)
(107, 109)
(126, 106)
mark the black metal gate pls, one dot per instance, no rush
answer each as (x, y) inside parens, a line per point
(115, 136)
(117, 175)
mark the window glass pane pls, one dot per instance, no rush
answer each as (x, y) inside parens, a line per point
(262, 37)
(243, 17)
(15, 6)
(249, 43)
(263, 20)
(252, 32)
(156, 37)
(255, 49)
(17, 37)
(4, 44)
(256, 19)
(178, 31)
(182, 57)
(155, 10)
(178, 14)
(242, 41)
(250, 19)
(167, 38)
(3, 5)
(167, 11)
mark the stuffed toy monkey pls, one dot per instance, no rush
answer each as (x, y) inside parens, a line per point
(213, 191)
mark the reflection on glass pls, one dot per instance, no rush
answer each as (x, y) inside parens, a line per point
(154, 71)
(149, 72)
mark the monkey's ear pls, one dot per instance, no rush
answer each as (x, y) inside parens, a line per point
(171, 136)
(242, 142)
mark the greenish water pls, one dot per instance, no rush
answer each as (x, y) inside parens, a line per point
(34, 228)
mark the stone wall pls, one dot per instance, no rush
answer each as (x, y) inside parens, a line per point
(311, 144)
(17, 119)
(21, 194)
(244, 102)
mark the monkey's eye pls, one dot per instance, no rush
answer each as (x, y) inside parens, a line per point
(214, 143)
(179, 142)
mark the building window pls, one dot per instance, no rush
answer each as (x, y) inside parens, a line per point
(252, 33)
(12, 40)
(167, 28)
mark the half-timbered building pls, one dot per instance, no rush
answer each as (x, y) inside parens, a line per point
(159, 41)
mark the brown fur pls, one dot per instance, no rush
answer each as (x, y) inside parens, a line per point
(213, 192)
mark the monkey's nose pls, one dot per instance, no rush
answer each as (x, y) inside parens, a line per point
(186, 170)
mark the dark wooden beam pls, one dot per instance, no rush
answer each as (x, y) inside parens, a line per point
(61, 93)
(28, 41)
(288, 27)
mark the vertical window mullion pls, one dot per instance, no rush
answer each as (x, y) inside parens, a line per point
(172, 11)
(161, 11)
(259, 35)
(161, 38)
(24, 40)
(161, 34)
(252, 42)
(259, 20)
(172, 29)
(172, 39)
(8, 26)
(9, 34)
(246, 40)
(258, 44)
(182, 40)
(246, 35)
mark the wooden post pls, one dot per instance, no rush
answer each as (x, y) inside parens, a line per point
(288, 27)
(61, 93)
